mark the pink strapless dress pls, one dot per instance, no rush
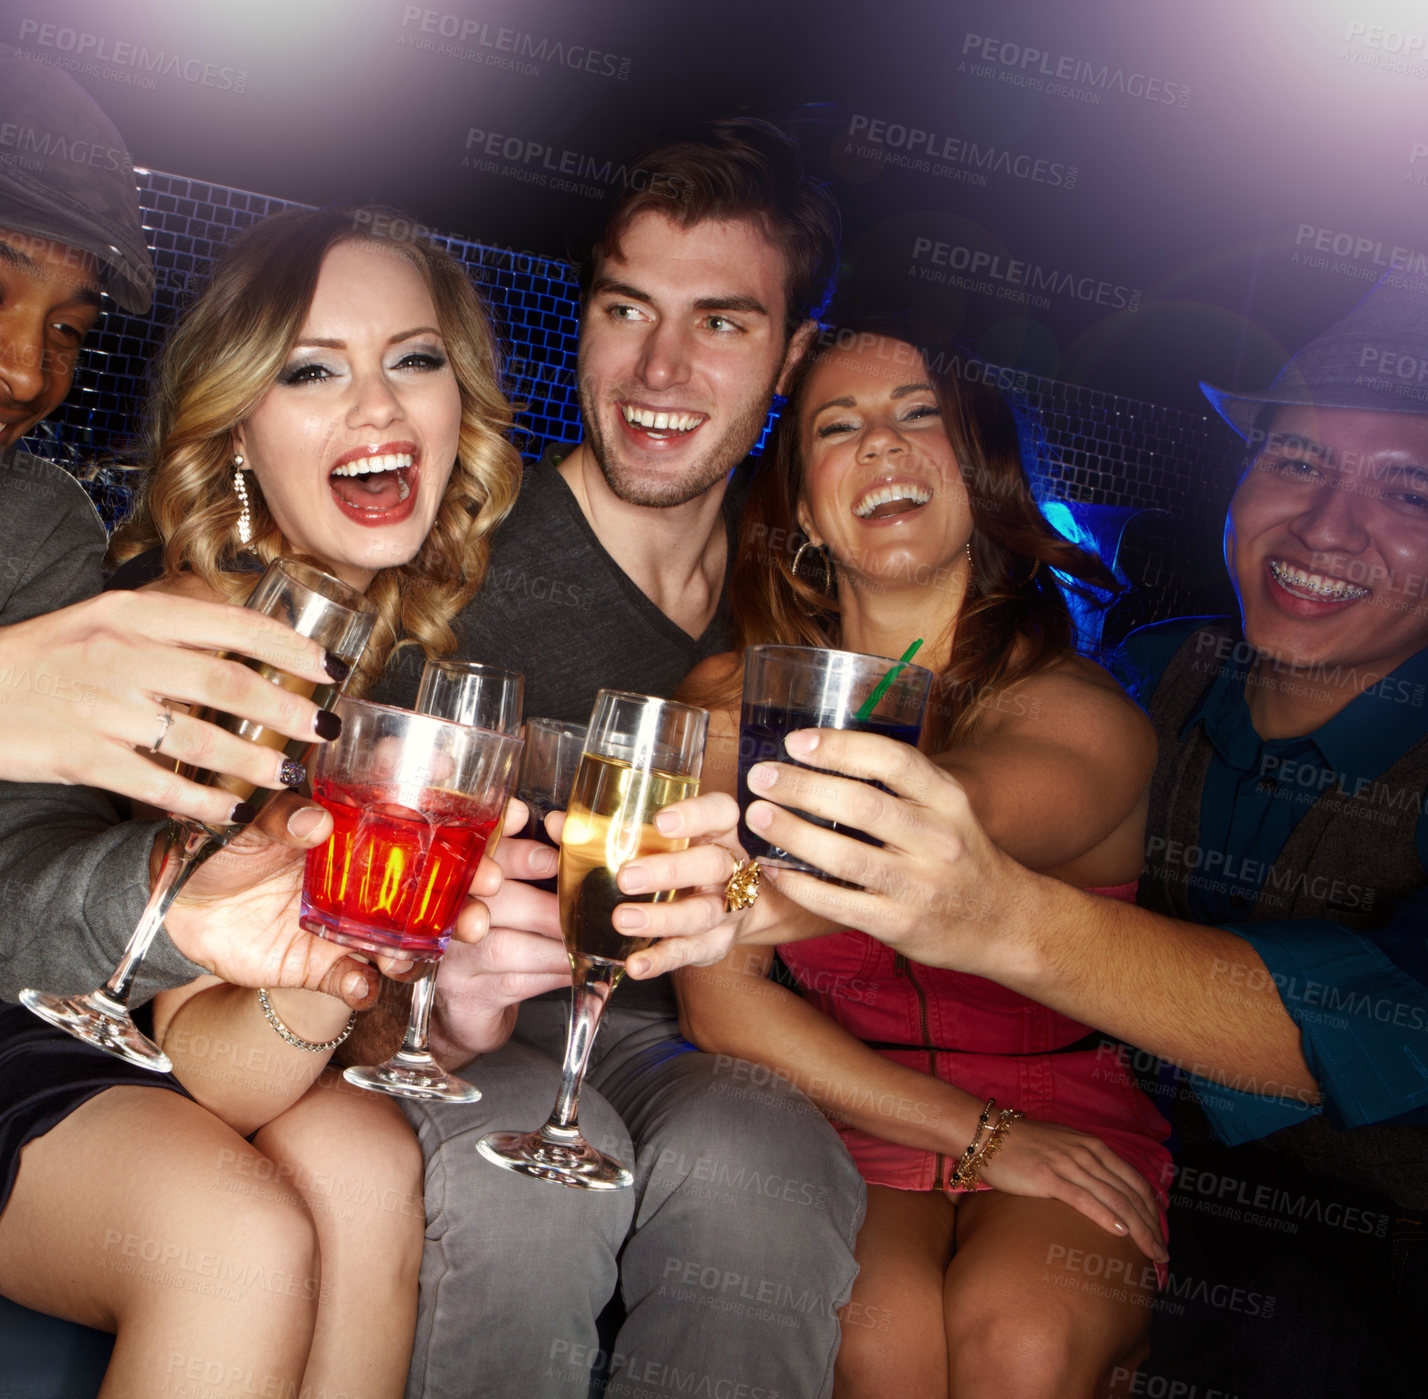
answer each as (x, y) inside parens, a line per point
(982, 1038)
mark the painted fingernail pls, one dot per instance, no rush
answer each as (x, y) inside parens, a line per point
(243, 813)
(763, 775)
(293, 773)
(633, 880)
(335, 666)
(801, 741)
(327, 725)
(629, 919)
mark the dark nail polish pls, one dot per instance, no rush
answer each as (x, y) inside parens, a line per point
(243, 813)
(336, 667)
(327, 725)
(293, 773)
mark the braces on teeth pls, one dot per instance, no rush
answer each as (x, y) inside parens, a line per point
(1332, 589)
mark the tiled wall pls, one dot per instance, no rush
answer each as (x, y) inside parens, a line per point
(1105, 451)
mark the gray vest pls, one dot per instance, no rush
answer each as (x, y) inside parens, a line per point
(1348, 860)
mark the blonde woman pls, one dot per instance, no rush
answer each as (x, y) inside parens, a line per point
(335, 396)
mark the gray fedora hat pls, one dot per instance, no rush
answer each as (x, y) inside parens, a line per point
(65, 175)
(1375, 358)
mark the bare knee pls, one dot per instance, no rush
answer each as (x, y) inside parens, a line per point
(1037, 1352)
(876, 1357)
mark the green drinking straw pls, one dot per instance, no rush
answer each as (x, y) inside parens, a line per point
(871, 703)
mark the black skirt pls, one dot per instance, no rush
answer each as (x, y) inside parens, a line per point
(45, 1074)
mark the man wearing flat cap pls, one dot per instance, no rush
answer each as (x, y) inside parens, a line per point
(1279, 953)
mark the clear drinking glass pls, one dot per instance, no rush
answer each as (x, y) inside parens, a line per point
(641, 754)
(548, 767)
(805, 687)
(339, 619)
(414, 801)
(470, 692)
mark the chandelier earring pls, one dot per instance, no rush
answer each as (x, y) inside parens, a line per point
(825, 586)
(245, 516)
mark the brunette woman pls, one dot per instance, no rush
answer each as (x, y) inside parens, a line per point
(999, 1140)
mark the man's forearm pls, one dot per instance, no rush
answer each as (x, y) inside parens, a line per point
(1195, 995)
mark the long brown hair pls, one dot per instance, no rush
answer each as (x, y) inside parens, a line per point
(227, 351)
(1014, 620)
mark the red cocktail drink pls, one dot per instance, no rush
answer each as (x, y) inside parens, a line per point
(394, 875)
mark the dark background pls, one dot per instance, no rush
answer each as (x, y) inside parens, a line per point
(1222, 150)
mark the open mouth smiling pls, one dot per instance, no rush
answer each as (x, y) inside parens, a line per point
(1316, 587)
(891, 498)
(376, 486)
(661, 424)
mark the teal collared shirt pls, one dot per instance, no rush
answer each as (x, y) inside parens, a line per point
(1358, 997)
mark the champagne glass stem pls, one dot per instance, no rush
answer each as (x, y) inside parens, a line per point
(588, 995)
(182, 850)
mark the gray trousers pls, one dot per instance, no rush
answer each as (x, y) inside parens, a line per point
(733, 1251)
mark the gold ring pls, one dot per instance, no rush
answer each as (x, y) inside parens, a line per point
(165, 719)
(743, 887)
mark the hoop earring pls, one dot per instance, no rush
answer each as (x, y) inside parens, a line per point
(827, 588)
(245, 516)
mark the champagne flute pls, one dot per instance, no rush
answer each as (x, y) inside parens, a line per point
(641, 754)
(314, 605)
(414, 800)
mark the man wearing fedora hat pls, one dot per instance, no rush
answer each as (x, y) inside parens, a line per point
(1278, 954)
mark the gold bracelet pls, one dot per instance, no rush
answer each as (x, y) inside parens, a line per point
(297, 1041)
(966, 1175)
(966, 1162)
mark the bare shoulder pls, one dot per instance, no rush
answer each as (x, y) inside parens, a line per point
(1076, 699)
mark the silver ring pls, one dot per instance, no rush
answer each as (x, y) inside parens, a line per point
(165, 720)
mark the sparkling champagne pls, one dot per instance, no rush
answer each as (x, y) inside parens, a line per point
(610, 821)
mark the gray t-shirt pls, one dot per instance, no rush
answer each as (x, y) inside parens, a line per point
(74, 877)
(556, 607)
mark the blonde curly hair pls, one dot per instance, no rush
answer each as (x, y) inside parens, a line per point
(226, 353)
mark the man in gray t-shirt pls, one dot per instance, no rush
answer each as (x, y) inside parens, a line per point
(611, 572)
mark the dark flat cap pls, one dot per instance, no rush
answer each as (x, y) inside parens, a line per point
(66, 175)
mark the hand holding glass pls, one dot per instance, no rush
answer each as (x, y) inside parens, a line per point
(414, 801)
(315, 605)
(803, 687)
(641, 754)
